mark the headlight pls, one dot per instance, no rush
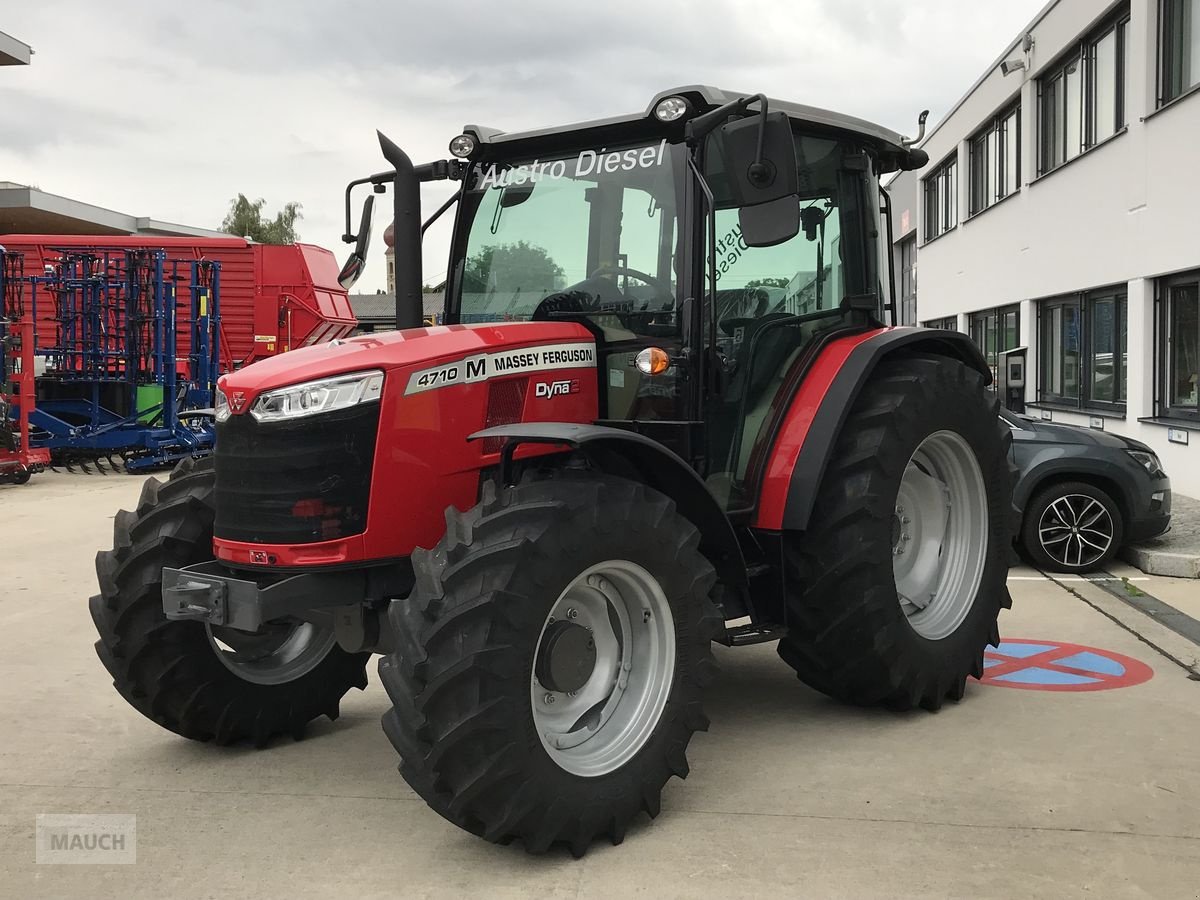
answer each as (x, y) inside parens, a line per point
(221, 404)
(1148, 461)
(314, 397)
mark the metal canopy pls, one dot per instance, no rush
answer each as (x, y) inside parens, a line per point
(14, 52)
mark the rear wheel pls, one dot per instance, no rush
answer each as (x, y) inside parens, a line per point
(204, 682)
(549, 666)
(901, 578)
(1072, 527)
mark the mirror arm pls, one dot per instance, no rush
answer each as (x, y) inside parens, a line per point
(376, 179)
(699, 127)
(441, 209)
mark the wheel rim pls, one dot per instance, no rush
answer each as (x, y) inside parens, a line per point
(279, 653)
(940, 535)
(600, 726)
(1076, 530)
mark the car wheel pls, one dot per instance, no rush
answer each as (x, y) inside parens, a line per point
(1072, 527)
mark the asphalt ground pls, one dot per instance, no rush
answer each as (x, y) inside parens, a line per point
(1010, 793)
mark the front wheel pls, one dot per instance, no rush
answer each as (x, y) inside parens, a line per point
(895, 589)
(549, 665)
(1072, 527)
(207, 683)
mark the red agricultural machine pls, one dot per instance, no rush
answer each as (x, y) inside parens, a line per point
(669, 409)
(273, 298)
(18, 460)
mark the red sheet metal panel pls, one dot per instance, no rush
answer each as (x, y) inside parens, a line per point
(272, 298)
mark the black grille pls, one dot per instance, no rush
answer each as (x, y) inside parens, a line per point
(295, 482)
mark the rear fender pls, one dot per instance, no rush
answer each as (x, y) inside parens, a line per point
(640, 458)
(810, 429)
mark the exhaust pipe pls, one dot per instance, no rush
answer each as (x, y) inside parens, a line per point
(406, 192)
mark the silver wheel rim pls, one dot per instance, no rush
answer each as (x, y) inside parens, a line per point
(281, 652)
(599, 727)
(940, 535)
(1076, 530)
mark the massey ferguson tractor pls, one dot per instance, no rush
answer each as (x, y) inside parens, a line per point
(668, 409)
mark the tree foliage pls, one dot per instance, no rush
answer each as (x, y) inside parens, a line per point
(506, 268)
(768, 282)
(245, 219)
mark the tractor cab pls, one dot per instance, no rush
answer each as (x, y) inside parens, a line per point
(707, 244)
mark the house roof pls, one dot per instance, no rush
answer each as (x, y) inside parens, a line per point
(379, 309)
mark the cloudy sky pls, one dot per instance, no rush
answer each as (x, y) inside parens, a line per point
(170, 109)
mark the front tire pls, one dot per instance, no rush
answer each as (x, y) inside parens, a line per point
(895, 589)
(1072, 527)
(207, 684)
(507, 737)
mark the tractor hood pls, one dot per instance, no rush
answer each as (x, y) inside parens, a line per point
(503, 348)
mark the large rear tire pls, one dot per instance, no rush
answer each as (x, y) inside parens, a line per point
(204, 683)
(895, 589)
(512, 721)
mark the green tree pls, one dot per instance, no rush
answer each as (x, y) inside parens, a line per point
(508, 268)
(245, 219)
(768, 282)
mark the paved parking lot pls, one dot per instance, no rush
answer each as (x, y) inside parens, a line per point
(1012, 793)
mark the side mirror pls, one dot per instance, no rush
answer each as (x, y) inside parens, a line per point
(515, 195)
(357, 262)
(759, 155)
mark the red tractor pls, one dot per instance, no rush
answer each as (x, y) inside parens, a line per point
(667, 411)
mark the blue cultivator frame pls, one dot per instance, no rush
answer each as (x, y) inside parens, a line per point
(115, 384)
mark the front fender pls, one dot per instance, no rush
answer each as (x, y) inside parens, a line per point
(810, 429)
(634, 455)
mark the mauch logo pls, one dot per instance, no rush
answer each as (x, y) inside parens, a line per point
(237, 401)
(547, 389)
(84, 839)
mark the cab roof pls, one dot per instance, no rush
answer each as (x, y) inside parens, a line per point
(889, 144)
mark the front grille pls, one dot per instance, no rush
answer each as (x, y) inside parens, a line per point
(295, 482)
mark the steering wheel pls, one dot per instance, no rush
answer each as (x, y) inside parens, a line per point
(589, 296)
(662, 289)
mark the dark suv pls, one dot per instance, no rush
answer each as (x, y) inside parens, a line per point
(1083, 493)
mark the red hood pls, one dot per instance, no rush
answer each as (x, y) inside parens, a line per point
(394, 349)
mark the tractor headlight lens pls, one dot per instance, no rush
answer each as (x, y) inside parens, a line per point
(221, 404)
(670, 109)
(1148, 461)
(316, 397)
(462, 146)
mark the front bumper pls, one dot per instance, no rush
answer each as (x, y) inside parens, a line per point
(206, 592)
(1153, 515)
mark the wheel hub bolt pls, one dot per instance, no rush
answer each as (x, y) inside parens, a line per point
(572, 613)
(549, 698)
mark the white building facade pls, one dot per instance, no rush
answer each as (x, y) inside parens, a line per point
(1060, 212)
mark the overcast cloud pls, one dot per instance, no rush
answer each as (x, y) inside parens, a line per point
(169, 109)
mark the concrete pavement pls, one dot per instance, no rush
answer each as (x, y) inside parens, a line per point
(1011, 793)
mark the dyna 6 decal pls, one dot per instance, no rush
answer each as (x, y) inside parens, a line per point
(473, 369)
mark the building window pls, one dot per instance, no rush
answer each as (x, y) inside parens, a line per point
(994, 331)
(941, 199)
(1180, 298)
(949, 323)
(1083, 340)
(996, 160)
(1081, 100)
(1179, 48)
(908, 281)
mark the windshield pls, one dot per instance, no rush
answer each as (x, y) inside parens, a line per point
(590, 232)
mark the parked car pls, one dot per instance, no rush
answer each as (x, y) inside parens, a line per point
(1082, 493)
